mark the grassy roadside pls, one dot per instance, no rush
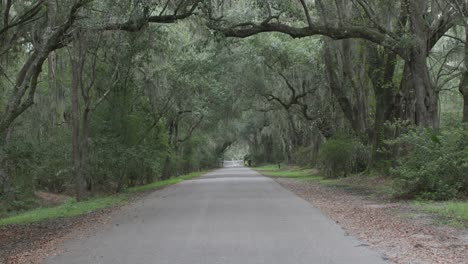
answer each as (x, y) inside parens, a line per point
(363, 184)
(450, 213)
(297, 173)
(72, 208)
(289, 172)
(160, 184)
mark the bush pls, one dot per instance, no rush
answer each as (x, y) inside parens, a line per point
(433, 166)
(341, 156)
(114, 166)
(304, 156)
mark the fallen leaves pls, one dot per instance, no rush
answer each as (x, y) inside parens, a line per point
(380, 224)
(31, 243)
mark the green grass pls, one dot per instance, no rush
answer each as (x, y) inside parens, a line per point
(452, 213)
(290, 172)
(267, 168)
(357, 183)
(160, 184)
(68, 209)
(73, 208)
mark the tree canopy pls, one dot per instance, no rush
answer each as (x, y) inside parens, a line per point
(98, 96)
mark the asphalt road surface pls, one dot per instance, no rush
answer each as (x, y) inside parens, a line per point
(229, 216)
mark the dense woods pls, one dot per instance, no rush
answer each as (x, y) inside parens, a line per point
(98, 96)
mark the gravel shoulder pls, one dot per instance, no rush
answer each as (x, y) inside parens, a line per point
(383, 225)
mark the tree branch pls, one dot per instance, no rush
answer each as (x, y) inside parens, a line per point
(190, 132)
(138, 24)
(342, 32)
(24, 18)
(306, 12)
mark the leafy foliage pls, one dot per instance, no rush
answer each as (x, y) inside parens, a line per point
(343, 155)
(155, 102)
(434, 165)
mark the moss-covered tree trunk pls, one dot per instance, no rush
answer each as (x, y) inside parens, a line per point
(77, 62)
(464, 79)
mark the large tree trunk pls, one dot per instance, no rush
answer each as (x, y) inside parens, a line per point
(77, 60)
(335, 81)
(464, 80)
(166, 173)
(464, 91)
(419, 100)
(465, 100)
(359, 102)
(5, 179)
(426, 104)
(381, 73)
(336, 54)
(287, 149)
(84, 167)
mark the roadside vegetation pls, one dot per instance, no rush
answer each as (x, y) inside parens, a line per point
(104, 98)
(452, 213)
(373, 185)
(73, 208)
(378, 187)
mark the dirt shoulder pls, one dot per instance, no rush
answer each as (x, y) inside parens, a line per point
(383, 225)
(31, 243)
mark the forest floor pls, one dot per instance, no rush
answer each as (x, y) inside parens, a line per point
(404, 231)
(28, 237)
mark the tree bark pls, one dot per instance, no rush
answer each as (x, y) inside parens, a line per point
(166, 171)
(465, 100)
(354, 112)
(463, 87)
(464, 91)
(426, 99)
(359, 104)
(381, 73)
(77, 60)
(335, 81)
(419, 100)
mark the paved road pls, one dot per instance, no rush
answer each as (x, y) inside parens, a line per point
(229, 216)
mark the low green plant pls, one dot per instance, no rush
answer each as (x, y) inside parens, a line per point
(164, 183)
(68, 209)
(304, 156)
(433, 166)
(343, 155)
(453, 213)
(297, 173)
(72, 208)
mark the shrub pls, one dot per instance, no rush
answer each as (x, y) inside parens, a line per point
(433, 165)
(306, 156)
(340, 156)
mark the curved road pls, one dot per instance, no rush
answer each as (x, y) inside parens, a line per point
(229, 216)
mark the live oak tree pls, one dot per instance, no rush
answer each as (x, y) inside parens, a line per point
(103, 95)
(17, 32)
(424, 23)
